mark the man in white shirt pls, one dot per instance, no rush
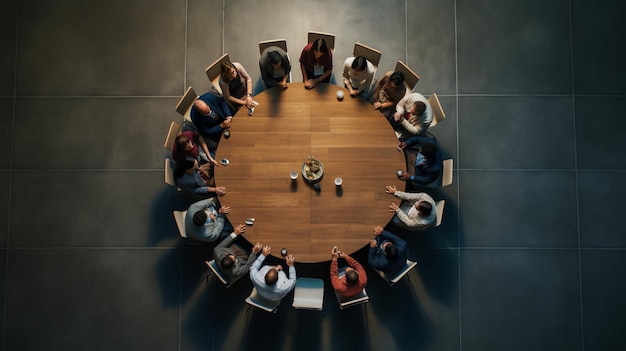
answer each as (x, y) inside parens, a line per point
(271, 282)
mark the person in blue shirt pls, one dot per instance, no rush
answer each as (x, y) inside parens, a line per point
(387, 252)
(427, 162)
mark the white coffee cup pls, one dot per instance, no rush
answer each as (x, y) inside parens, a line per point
(338, 181)
(339, 95)
(293, 175)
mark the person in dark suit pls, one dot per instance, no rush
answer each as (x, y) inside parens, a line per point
(428, 161)
(387, 252)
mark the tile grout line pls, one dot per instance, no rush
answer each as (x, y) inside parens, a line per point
(576, 179)
(185, 45)
(458, 173)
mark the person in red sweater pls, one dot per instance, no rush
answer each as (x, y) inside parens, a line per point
(353, 281)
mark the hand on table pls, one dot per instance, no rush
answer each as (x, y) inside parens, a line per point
(224, 209)
(240, 229)
(257, 248)
(220, 190)
(290, 260)
(377, 105)
(393, 207)
(390, 189)
(266, 250)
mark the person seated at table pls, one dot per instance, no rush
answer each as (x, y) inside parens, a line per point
(204, 222)
(389, 90)
(186, 145)
(316, 63)
(424, 156)
(413, 113)
(236, 86)
(211, 117)
(357, 75)
(351, 281)
(275, 67)
(387, 253)
(233, 261)
(271, 282)
(193, 178)
(416, 212)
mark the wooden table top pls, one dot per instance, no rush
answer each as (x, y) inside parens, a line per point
(350, 138)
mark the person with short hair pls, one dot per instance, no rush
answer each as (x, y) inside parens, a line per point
(389, 90)
(204, 221)
(316, 63)
(416, 212)
(357, 75)
(427, 162)
(236, 85)
(211, 116)
(413, 113)
(193, 178)
(352, 281)
(387, 252)
(271, 282)
(190, 143)
(232, 261)
(275, 67)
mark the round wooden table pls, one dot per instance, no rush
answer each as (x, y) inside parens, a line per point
(350, 138)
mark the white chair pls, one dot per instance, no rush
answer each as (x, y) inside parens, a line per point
(438, 114)
(394, 277)
(410, 78)
(183, 107)
(214, 71)
(216, 270)
(179, 217)
(358, 299)
(439, 211)
(173, 132)
(309, 294)
(259, 301)
(328, 38)
(447, 172)
(169, 174)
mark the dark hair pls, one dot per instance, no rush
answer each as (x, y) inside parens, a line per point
(391, 250)
(199, 218)
(420, 107)
(359, 63)
(275, 57)
(226, 66)
(181, 141)
(227, 262)
(425, 208)
(397, 78)
(184, 165)
(352, 277)
(428, 149)
(320, 45)
(271, 277)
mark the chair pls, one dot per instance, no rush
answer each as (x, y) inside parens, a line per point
(410, 78)
(309, 294)
(215, 269)
(213, 73)
(447, 172)
(186, 102)
(358, 299)
(439, 211)
(438, 114)
(169, 174)
(328, 38)
(394, 277)
(259, 301)
(281, 43)
(179, 217)
(175, 129)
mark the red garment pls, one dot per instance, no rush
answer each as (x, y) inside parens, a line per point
(307, 58)
(179, 155)
(340, 285)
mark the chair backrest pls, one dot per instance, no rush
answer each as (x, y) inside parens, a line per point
(179, 217)
(184, 104)
(394, 277)
(213, 73)
(281, 43)
(370, 54)
(447, 172)
(439, 211)
(223, 278)
(328, 38)
(438, 114)
(309, 294)
(169, 174)
(410, 78)
(358, 299)
(175, 129)
(259, 301)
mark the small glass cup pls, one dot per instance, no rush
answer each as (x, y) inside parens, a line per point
(293, 175)
(338, 181)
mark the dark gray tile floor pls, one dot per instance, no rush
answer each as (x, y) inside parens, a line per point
(531, 253)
